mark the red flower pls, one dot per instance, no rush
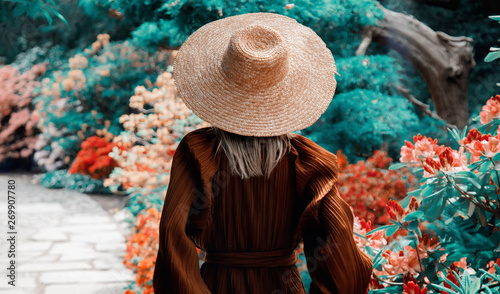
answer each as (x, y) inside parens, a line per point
(395, 210)
(413, 288)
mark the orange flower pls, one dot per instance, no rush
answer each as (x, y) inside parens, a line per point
(450, 276)
(413, 288)
(423, 147)
(395, 210)
(491, 110)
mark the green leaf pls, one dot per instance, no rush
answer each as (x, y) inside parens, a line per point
(391, 230)
(47, 16)
(19, 10)
(413, 216)
(474, 182)
(397, 166)
(414, 225)
(57, 14)
(361, 236)
(415, 192)
(450, 291)
(378, 229)
(492, 56)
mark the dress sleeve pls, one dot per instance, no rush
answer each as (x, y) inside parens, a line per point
(334, 262)
(177, 266)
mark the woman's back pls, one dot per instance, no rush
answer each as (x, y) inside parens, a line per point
(250, 227)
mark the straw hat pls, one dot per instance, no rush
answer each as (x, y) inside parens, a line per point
(256, 74)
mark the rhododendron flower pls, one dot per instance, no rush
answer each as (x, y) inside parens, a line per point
(450, 276)
(375, 240)
(402, 262)
(425, 244)
(412, 288)
(422, 146)
(479, 145)
(491, 110)
(491, 266)
(448, 160)
(395, 210)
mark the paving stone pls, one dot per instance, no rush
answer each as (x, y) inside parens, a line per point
(49, 235)
(85, 276)
(109, 263)
(40, 207)
(65, 247)
(67, 243)
(98, 237)
(111, 246)
(79, 255)
(50, 266)
(92, 227)
(22, 282)
(87, 219)
(35, 246)
(40, 258)
(106, 288)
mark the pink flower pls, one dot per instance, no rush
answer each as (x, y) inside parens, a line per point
(402, 262)
(479, 144)
(423, 146)
(375, 240)
(448, 160)
(491, 147)
(491, 110)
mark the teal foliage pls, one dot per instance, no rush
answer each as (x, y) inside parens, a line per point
(101, 91)
(360, 121)
(169, 23)
(374, 72)
(32, 29)
(63, 179)
(139, 202)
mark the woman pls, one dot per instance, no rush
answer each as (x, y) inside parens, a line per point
(247, 190)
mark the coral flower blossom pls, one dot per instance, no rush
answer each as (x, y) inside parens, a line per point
(448, 160)
(491, 110)
(422, 146)
(481, 145)
(402, 262)
(412, 288)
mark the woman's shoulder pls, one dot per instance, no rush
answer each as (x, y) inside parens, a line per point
(310, 150)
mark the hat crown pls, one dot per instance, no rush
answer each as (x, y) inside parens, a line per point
(256, 57)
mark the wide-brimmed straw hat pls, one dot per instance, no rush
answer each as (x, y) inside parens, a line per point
(256, 74)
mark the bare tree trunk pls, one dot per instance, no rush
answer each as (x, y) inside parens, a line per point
(444, 62)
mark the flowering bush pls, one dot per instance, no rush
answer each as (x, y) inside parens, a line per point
(17, 120)
(368, 185)
(93, 159)
(143, 153)
(444, 235)
(89, 93)
(142, 247)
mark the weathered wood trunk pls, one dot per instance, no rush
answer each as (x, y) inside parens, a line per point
(444, 62)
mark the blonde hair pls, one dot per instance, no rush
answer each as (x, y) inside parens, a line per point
(250, 156)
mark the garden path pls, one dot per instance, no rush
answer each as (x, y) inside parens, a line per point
(65, 242)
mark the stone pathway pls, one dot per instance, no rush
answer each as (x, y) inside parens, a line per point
(66, 242)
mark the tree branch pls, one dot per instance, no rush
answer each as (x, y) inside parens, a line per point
(422, 106)
(444, 62)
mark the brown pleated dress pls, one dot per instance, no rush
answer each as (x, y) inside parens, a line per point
(250, 228)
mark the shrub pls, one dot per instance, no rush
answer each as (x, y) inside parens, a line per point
(18, 132)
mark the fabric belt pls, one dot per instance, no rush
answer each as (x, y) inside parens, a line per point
(275, 258)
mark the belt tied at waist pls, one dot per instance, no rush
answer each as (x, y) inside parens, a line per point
(275, 258)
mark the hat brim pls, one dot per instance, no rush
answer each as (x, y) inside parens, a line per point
(294, 103)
